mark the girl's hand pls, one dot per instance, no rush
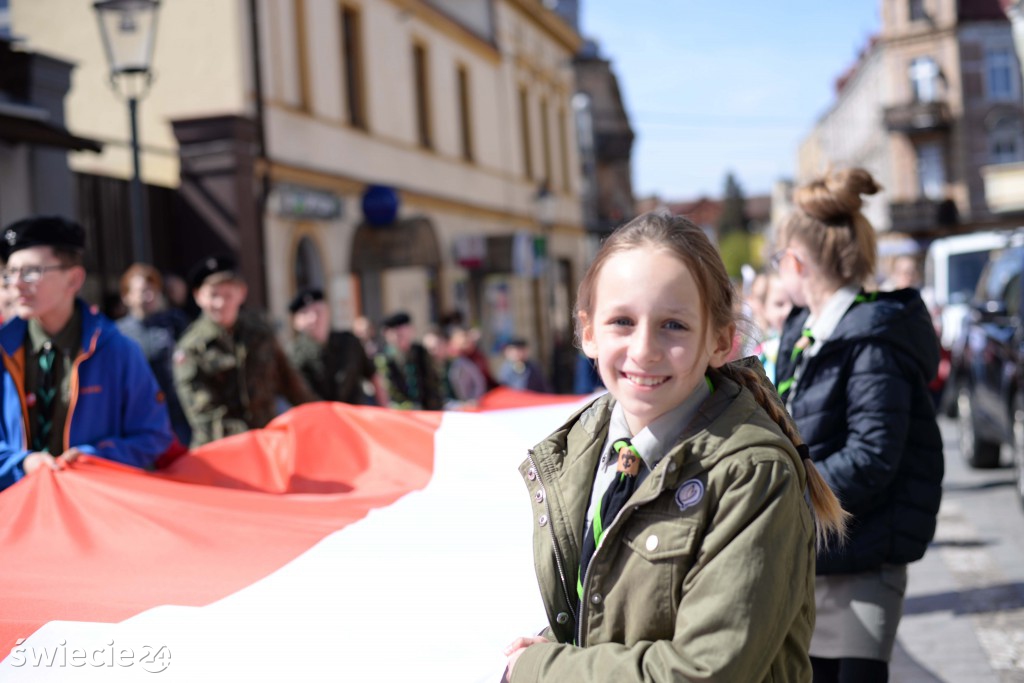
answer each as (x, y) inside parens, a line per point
(516, 647)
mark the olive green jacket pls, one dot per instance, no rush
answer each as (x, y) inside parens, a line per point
(230, 383)
(707, 574)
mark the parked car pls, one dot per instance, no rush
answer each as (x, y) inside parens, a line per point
(952, 268)
(990, 366)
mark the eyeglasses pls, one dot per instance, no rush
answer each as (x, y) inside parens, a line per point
(776, 260)
(29, 274)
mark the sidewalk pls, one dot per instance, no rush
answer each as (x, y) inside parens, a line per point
(937, 641)
(963, 617)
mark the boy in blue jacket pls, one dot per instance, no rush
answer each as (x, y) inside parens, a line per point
(71, 384)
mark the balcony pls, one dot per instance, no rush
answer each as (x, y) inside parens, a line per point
(923, 215)
(918, 117)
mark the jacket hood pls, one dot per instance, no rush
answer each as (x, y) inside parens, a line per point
(95, 326)
(899, 318)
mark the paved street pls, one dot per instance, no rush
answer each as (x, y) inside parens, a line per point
(964, 616)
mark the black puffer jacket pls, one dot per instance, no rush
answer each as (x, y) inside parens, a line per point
(862, 406)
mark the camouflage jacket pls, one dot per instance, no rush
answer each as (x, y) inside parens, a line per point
(229, 383)
(411, 381)
(334, 370)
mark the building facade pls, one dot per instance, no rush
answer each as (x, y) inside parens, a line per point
(608, 153)
(932, 99)
(401, 154)
(1004, 181)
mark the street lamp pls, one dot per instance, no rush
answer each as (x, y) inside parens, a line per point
(545, 207)
(128, 29)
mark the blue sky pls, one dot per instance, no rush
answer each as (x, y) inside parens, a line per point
(713, 86)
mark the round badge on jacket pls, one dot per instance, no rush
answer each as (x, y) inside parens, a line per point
(689, 494)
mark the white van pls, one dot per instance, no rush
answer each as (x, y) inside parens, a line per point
(952, 268)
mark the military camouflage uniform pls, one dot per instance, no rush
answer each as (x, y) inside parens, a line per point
(335, 370)
(229, 384)
(410, 381)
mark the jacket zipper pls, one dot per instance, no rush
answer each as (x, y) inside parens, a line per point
(579, 619)
(583, 603)
(624, 510)
(551, 529)
(74, 386)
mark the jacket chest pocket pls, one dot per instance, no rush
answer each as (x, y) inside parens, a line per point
(215, 362)
(659, 551)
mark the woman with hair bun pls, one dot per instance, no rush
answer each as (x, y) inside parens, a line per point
(853, 369)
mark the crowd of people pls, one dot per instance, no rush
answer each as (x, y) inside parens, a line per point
(708, 517)
(176, 371)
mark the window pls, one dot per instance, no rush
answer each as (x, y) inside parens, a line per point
(1012, 296)
(999, 75)
(923, 76)
(419, 60)
(964, 270)
(5, 19)
(545, 140)
(563, 147)
(931, 171)
(917, 10)
(524, 131)
(465, 113)
(1001, 279)
(300, 55)
(1003, 150)
(1004, 142)
(352, 66)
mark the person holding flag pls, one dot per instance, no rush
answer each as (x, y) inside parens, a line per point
(71, 383)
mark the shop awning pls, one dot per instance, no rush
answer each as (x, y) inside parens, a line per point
(20, 125)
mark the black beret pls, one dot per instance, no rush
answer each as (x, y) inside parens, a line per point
(225, 267)
(396, 320)
(42, 231)
(304, 298)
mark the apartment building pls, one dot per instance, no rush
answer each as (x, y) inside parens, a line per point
(1004, 180)
(401, 154)
(607, 154)
(932, 99)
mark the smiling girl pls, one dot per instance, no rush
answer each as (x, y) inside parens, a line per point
(674, 516)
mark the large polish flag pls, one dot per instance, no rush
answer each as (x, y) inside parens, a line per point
(340, 543)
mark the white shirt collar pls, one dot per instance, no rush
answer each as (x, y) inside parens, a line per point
(825, 324)
(656, 439)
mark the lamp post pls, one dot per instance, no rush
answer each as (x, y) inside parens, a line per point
(545, 205)
(128, 29)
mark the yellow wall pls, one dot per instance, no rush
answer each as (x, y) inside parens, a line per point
(198, 65)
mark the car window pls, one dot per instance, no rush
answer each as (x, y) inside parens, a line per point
(1012, 295)
(1003, 270)
(964, 271)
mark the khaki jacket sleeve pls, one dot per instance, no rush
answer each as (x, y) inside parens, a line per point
(747, 609)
